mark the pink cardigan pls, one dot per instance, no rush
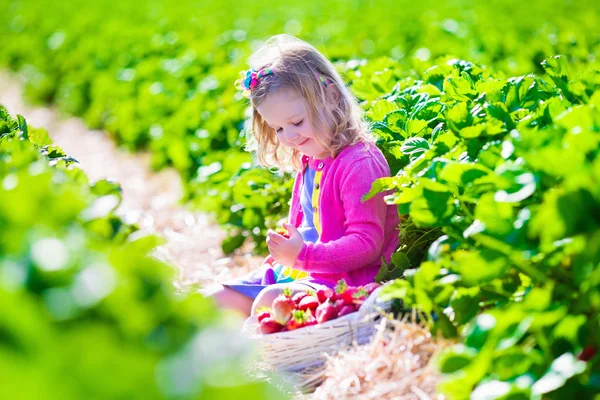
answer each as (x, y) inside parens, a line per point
(354, 235)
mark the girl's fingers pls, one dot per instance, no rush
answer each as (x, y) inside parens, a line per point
(272, 244)
(274, 237)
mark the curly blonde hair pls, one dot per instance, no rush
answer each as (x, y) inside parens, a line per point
(297, 65)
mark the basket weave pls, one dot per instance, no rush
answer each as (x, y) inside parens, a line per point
(302, 353)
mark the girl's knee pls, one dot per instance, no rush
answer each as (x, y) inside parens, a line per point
(226, 297)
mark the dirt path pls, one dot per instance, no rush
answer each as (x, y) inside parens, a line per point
(150, 199)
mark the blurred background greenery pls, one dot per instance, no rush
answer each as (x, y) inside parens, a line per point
(87, 311)
(160, 76)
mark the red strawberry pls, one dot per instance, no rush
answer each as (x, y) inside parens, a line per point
(347, 309)
(298, 320)
(370, 287)
(283, 232)
(269, 325)
(348, 295)
(339, 304)
(345, 292)
(360, 296)
(309, 302)
(587, 353)
(326, 294)
(341, 286)
(326, 311)
(283, 305)
(264, 312)
(299, 296)
(311, 321)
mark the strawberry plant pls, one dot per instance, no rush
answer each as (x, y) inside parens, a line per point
(500, 177)
(81, 291)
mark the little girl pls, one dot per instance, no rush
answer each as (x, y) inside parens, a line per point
(304, 115)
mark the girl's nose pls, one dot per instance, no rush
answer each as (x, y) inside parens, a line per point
(290, 136)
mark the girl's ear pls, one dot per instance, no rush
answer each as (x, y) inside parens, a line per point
(332, 93)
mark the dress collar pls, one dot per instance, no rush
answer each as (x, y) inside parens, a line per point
(316, 163)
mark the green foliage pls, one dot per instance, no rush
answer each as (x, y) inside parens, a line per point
(505, 197)
(494, 160)
(87, 311)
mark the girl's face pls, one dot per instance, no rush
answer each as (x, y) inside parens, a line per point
(285, 112)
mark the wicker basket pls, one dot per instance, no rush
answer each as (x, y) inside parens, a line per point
(302, 353)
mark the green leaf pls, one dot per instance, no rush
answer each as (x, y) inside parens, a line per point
(396, 121)
(458, 117)
(380, 109)
(562, 368)
(232, 242)
(414, 146)
(477, 267)
(556, 66)
(455, 359)
(478, 331)
(416, 127)
(401, 260)
(23, 126)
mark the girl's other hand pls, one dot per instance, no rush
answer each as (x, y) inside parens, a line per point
(285, 251)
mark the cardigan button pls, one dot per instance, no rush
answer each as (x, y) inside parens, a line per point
(317, 186)
(314, 209)
(320, 165)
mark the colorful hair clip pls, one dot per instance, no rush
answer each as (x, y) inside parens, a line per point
(250, 78)
(325, 80)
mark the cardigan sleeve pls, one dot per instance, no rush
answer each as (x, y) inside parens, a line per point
(364, 226)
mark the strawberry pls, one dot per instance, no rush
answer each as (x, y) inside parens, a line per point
(347, 309)
(308, 302)
(283, 305)
(269, 325)
(345, 292)
(360, 296)
(263, 312)
(370, 287)
(341, 286)
(299, 296)
(587, 353)
(326, 312)
(298, 320)
(283, 232)
(311, 321)
(326, 294)
(339, 304)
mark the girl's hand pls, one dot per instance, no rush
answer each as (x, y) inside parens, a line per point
(285, 251)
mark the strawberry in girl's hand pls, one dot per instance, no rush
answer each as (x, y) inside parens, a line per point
(283, 232)
(308, 302)
(283, 305)
(326, 312)
(298, 320)
(263, 312)
(326, 294)
(269, 325)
